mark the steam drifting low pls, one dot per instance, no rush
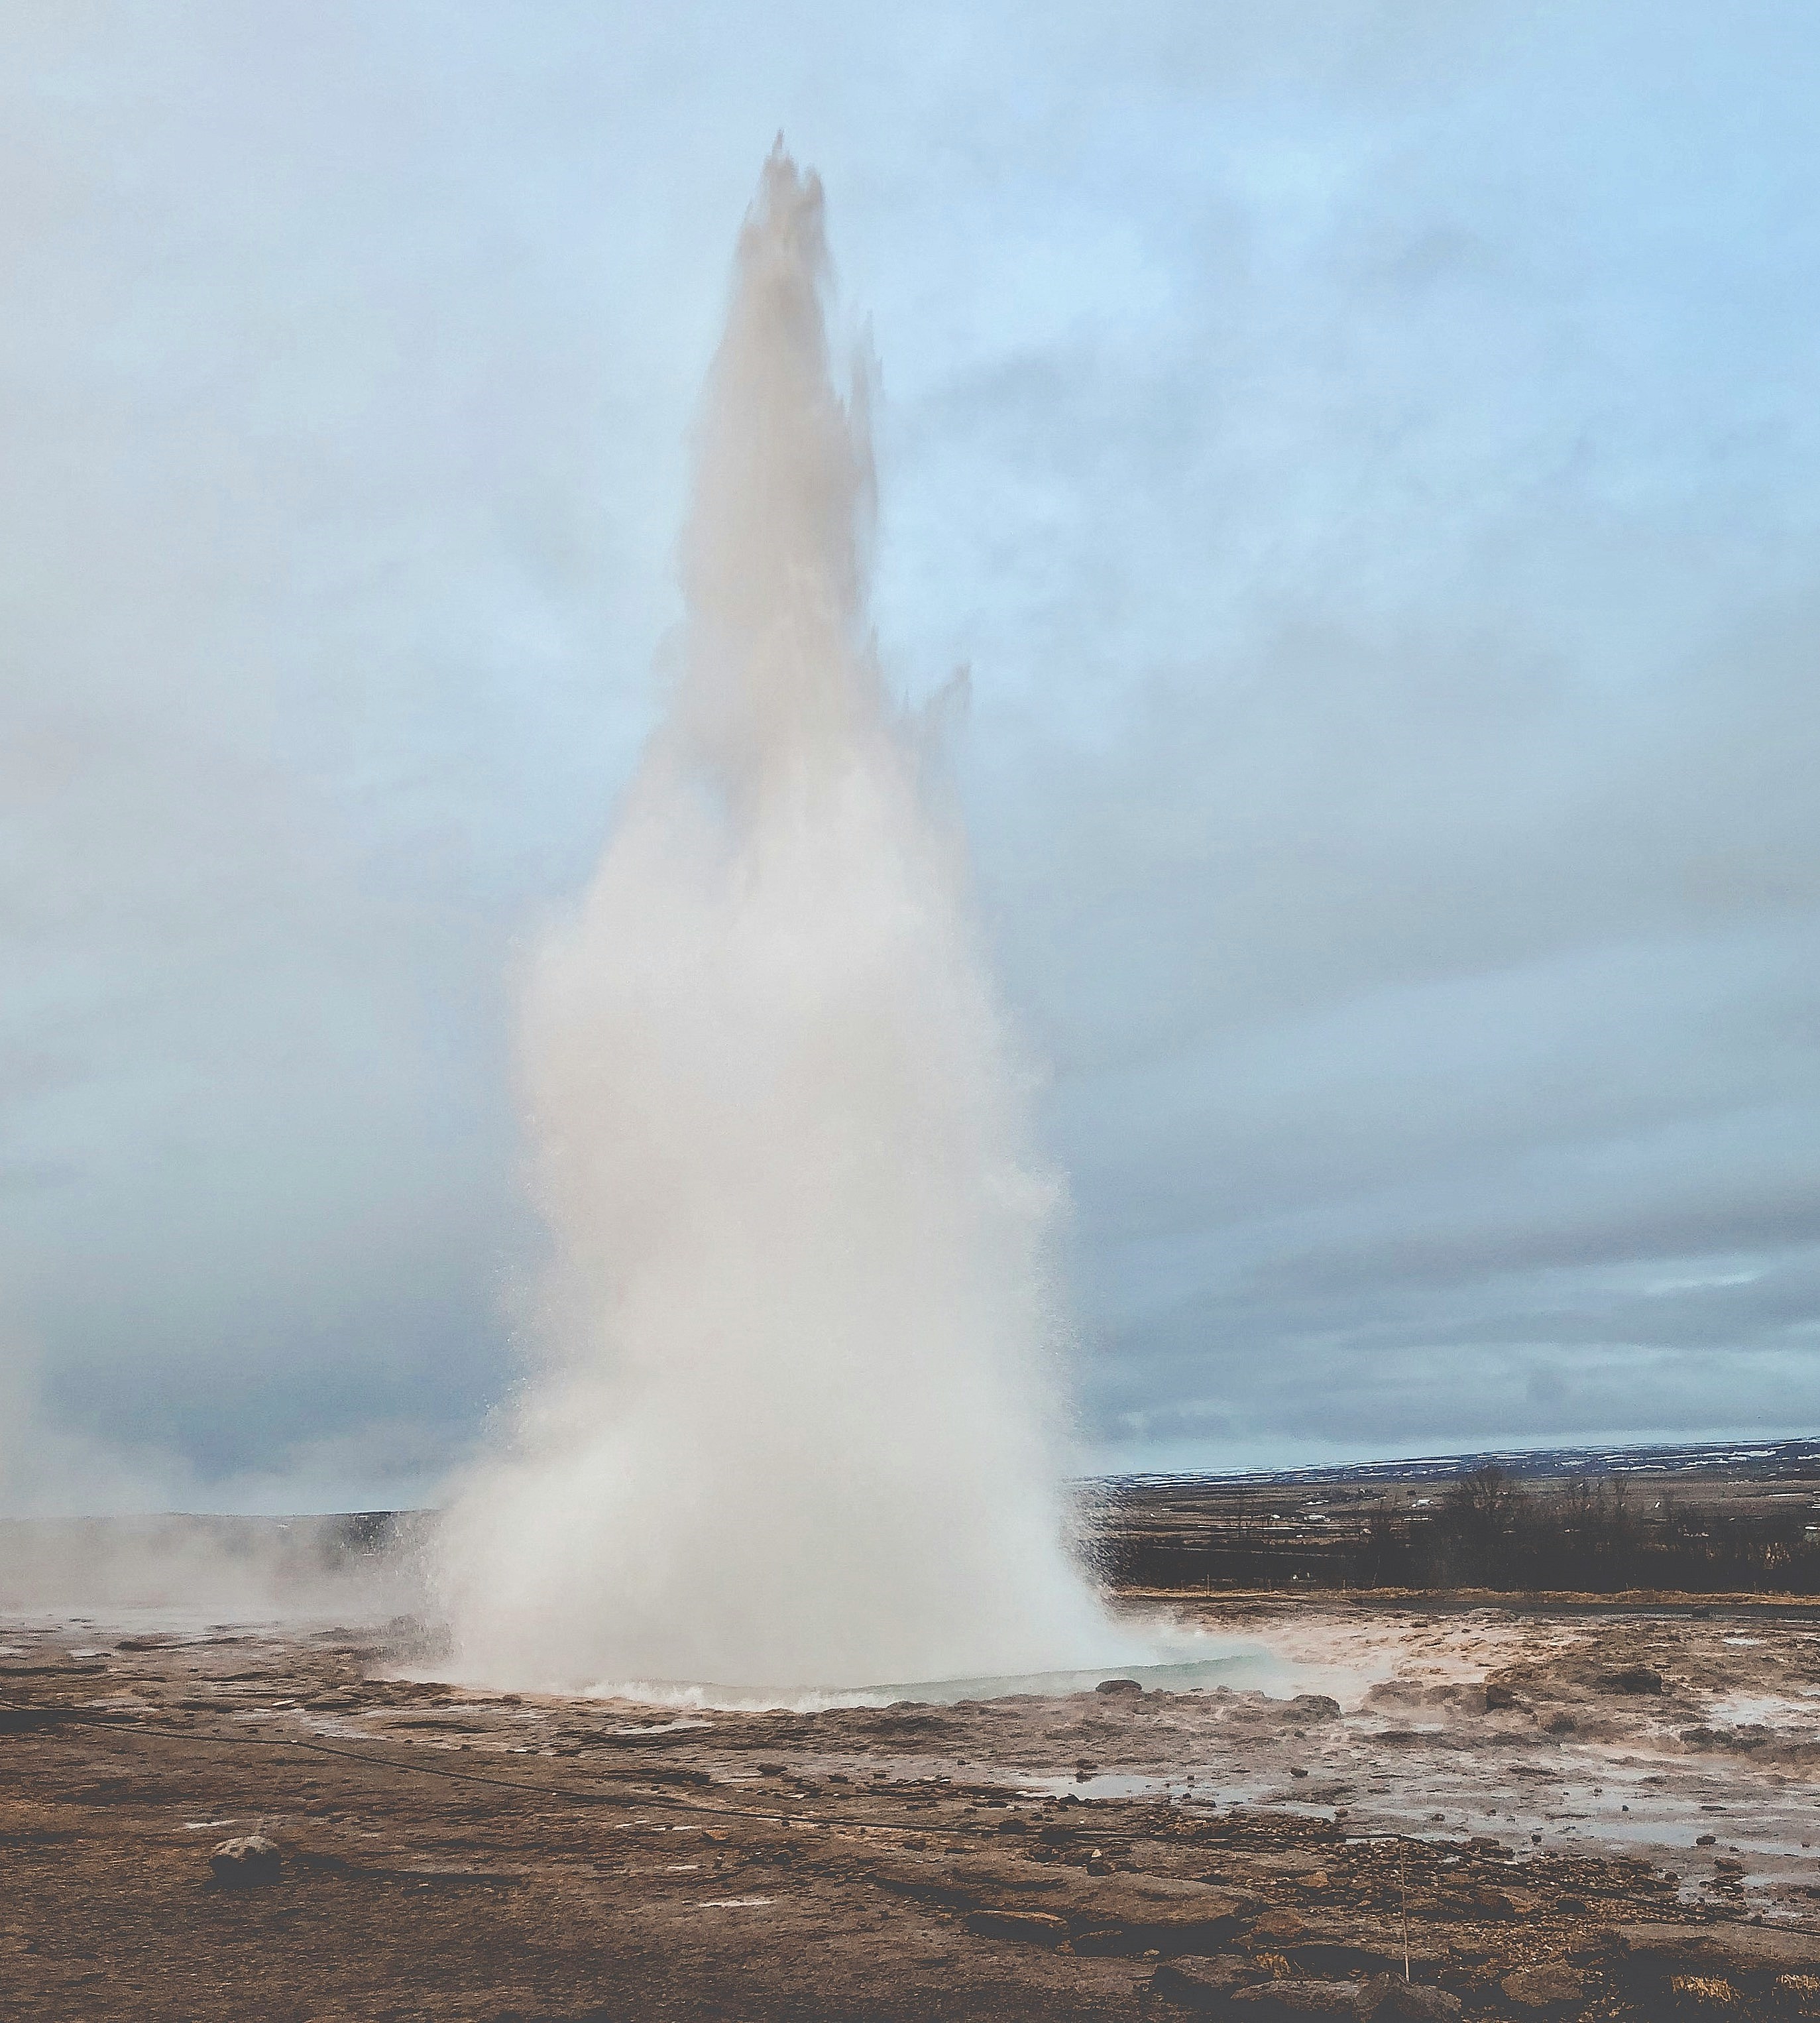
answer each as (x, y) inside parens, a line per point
(794, 1417)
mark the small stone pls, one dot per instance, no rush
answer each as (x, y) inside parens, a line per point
(251, 1858)
(1551, 1984)
(1706, 1840)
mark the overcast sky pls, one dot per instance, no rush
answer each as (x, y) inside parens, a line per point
(1369, 457)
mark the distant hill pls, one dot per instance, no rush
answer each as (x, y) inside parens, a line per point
(1735, 1460)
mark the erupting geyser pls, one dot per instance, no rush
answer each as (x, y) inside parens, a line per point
(793, 1419)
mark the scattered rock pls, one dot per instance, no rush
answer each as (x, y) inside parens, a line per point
(1501, 1903)
(249, 1859)
(1550, 1984)
(1289, 1863)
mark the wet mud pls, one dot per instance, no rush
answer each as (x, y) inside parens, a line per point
(1594, 1811)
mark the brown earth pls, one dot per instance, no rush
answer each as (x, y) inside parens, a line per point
(451, 1853)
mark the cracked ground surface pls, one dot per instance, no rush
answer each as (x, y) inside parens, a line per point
(1523, 1789)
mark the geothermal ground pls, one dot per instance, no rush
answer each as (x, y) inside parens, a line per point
(1594, 1809)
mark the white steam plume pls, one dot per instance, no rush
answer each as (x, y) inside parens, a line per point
(795, 1421)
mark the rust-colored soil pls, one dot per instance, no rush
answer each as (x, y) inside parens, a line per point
(453, 1854)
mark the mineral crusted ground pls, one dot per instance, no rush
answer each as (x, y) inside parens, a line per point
(1458, 1786)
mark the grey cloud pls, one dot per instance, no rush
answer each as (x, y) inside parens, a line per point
(1368, 472)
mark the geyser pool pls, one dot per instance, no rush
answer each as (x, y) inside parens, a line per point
(793, 1412)
(1240, 1666)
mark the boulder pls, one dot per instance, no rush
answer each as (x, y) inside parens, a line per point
(1117, 1911)
(1118, 1686)
(1492, 1902)
(1338, 1947)
(993, 1879)
(1735, 1952)
(1279, 2001)
(249, 1859)
(1629, 1679)
(1288, 1862)
(1392, 1999)
(1128, 1913)
(1041, 1928)
(1205, 1986)
(1550, 1984)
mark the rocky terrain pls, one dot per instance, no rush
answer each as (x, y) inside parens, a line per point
(1477, 1811)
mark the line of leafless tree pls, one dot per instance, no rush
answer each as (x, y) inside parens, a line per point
(1491, 1531)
